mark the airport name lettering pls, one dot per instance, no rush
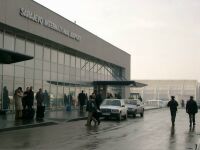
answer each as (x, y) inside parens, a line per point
(40, 20)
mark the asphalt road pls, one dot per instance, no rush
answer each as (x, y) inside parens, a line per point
(152, 132)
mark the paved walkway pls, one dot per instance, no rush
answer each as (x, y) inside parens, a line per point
(8, 122)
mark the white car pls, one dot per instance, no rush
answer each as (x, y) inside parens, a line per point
(135, 106)
(114, 108)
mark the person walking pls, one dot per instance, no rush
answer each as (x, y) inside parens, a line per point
(191, 109)
(81, 100)
(18, 103)
(91, 108)
(173, 104)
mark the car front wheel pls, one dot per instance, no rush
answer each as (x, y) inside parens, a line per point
(119, 118)
(125, 116)
(142, 114)
(134, 115)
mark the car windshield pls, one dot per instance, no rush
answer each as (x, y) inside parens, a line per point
(132, 102)
(111, 102)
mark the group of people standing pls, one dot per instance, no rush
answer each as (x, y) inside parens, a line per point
(191, 109)
(24, 101)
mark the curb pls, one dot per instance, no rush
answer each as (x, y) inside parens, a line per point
(27, 126)
(77, 119)
(151, 109)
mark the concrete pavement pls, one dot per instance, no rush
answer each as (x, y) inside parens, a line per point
(151, 132)
(8, 122)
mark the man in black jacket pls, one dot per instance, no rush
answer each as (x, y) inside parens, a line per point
(173, 104)
(191, 109)
(81, 100)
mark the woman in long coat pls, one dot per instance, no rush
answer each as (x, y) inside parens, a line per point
(18, 103)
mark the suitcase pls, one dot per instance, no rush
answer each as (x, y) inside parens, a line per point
(40, 112)
(28, 114)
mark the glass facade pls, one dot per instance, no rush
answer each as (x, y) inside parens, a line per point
(54, 70)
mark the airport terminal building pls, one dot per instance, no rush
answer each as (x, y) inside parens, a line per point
(42, 49)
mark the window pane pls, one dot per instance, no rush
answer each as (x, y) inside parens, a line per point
(29, 73)
(82, 75)
(19, 71)
(38, 74)
(60, 69)
(53, 56)
(30, 63)
(46, 75)
(20, 45)
(53, 67)
(95, 68)
(60, 77)
(1, 70)
(28, 82)
(8, 70)
(38, 64)
(37, 85)
(60, 97)
(53, 95)
(72, 71)
(19, 82)
(1, 39)
(38, 51)
(78, 65)
(91, 66)
(87, 65)
(78, 72)
(73, 63)
(82, 63)
(46, 66)
(9, 42)
(66, 73)
(53, 76)
(47, 53)
(67, 59)
(20, 63)
(60, 58)
(30, 48)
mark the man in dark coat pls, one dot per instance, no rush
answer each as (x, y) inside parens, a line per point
(173, 104)
(25, 99)
(6, 99)
(30, 98)
(191, 109)
(40, 108)
(81, 100)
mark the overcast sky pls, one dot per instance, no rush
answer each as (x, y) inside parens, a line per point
(162, 36)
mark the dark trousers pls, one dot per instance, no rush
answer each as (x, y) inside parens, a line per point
(81, 108)
(173, 117)
(96, 115)
(192, 118)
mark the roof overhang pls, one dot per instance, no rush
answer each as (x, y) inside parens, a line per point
(84, 84)
(129, 83)
(120, 83)
(9, 57)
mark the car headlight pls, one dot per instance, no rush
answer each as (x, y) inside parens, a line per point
(115, 111)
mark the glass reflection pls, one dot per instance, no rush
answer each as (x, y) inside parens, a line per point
(51, 65)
